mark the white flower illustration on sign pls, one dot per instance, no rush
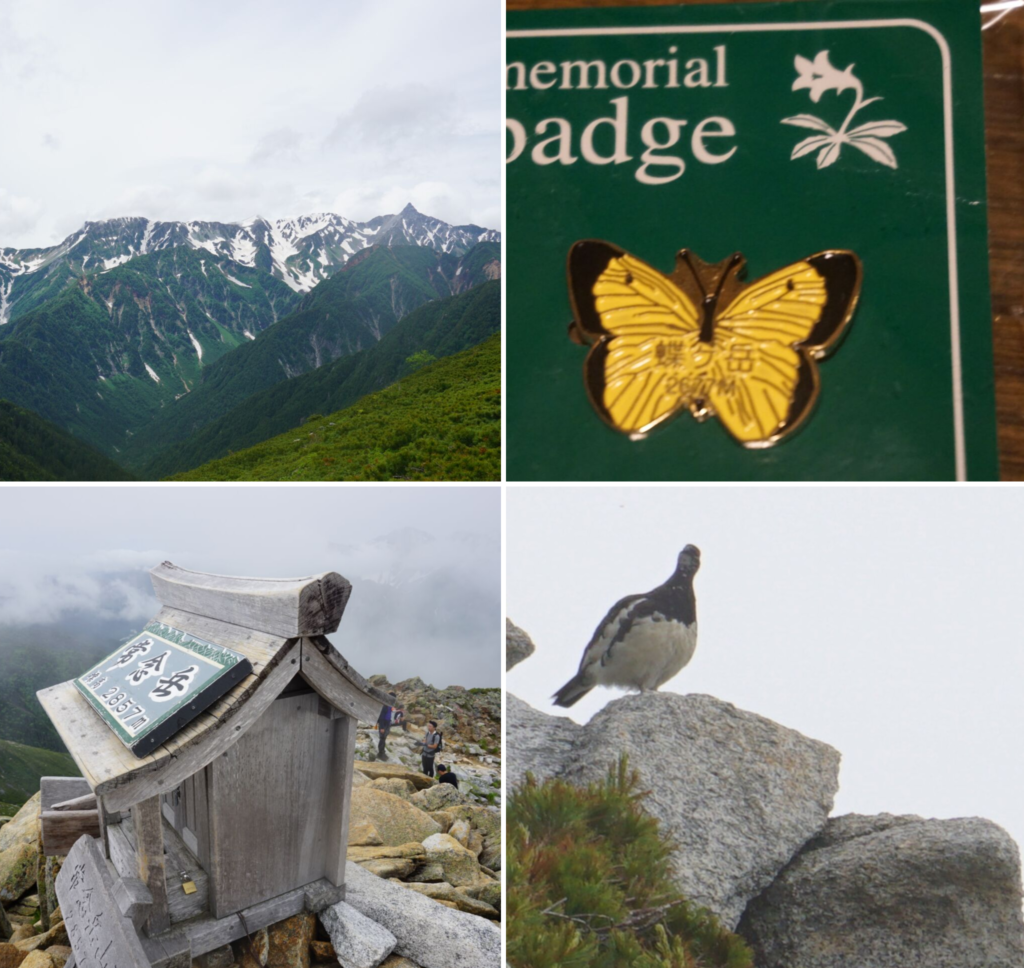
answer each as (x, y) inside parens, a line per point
(819, 76)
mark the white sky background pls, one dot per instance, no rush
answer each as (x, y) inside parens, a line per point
(86, 549)
(222, 111)
(883, 621)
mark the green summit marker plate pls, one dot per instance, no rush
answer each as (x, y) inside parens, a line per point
(748, 242)
(157, 683)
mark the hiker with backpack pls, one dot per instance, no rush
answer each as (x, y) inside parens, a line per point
(432, 743)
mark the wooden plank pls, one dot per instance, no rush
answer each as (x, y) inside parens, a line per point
(178, 857)
(148, 823)
(188, 794)
(87, 802)
(206, 933)
(54, 789)
(133, 900)
(202, 827)
(171, 950)
(270, 806)
(59, 832)
(101, 811)
(337, 688)
(290, 607)
(123, 779)
(122, 850)
(61, 829)
(326, 648)
(99, 935)
(343, 755)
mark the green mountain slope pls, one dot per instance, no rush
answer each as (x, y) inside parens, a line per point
(101, 358)
(480, 264)
(36, 656)
(440, 328)
(347, 313)
(22, 766)
(442, 422)
(32, 449)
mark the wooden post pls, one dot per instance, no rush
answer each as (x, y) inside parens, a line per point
(101, 815)
(342, 758)
(133, 900)
(149, 847)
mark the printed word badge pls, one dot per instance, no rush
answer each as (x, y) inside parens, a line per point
(840, 147)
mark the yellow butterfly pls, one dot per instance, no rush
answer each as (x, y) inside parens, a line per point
(661, 344)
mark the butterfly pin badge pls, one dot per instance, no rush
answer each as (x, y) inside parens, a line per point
(701, 340)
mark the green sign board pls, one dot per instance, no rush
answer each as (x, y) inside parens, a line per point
(158, 682)
(748, 242)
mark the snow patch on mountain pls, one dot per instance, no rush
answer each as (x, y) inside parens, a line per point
(5, 292)
(303, 250)
(231, 278)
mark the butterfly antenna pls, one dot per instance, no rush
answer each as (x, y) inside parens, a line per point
(733, 262)
(693, 271)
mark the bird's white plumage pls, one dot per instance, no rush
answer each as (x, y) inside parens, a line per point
(652, 653)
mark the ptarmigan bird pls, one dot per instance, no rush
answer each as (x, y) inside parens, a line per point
(644, 640)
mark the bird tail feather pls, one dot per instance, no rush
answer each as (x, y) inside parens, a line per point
(572, 692)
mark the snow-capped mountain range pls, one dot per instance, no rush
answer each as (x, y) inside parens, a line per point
(300, 251)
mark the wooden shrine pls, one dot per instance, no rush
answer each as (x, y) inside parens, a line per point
(241, 818)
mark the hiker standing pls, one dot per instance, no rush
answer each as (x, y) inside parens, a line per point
(383, 728)
(430, 743)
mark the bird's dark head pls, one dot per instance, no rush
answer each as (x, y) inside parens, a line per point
(689, 561)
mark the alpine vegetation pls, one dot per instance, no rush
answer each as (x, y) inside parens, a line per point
(589, 884)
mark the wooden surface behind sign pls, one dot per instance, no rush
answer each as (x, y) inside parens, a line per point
(100, 936)
(1003, 47)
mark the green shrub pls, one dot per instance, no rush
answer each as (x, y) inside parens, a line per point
(418, 359)
(589, 884)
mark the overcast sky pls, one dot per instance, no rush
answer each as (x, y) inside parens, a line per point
(885, 622)
(425, 602)
(222, 111)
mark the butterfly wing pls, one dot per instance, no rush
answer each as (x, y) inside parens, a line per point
(768, 339)
(628, 313)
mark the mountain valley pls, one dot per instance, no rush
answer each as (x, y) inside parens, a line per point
(138, 358)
